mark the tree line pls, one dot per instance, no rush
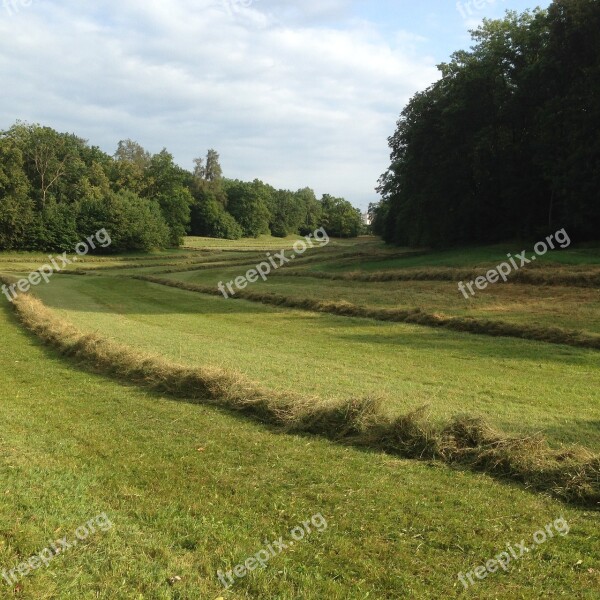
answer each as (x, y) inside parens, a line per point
(505, 144)
(55, 188)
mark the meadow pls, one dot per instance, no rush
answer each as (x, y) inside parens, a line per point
(193, 485)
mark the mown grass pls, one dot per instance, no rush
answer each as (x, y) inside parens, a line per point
(263, 242)
(519, 386)
(542, 306)
(572, 474)
(482, 256)
(190, 490)
(553, 335)
(41, 257)
(584, 276)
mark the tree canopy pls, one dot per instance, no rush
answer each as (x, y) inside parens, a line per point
(506, 143)
(55, 189)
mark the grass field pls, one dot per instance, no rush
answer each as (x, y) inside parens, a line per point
(263, 242)
(569, 307)
(478, 257)
(192, 489)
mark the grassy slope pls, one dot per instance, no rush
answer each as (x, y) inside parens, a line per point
(552, 306)
(259, 243)
(76, 444)
(517, 385)
(486, 256)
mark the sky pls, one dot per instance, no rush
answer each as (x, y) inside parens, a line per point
(294, 92)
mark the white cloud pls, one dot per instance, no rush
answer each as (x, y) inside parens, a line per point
(281, 92)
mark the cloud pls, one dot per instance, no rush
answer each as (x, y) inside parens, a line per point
(294, 93)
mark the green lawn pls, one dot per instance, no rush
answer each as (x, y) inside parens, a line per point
(549, 306)
(190, 490)
(266, 242)
(485, 256)
(517, 385)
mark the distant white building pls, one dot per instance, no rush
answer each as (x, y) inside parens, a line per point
(366, 217)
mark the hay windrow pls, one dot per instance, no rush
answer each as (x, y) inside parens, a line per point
(572, 474)
(325, 254)
(198, 263)
(531, 276)
(496, 328)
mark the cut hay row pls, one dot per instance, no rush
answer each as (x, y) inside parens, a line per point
(260, 248)
(248, 260)
(145, 258)
(217, 261)
(416, 316)
(207, 265)
(538, 276)
(106, 258)
(189, 264)
(572, 474)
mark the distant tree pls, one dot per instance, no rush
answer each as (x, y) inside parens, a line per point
(287, 212)
(16, 205)
(95, 183)
(505, 144)
(209, 218)
(54, 230)
(199, 171)
(48, 157)
(130, 166)
(213, 171)
(208, 169)
(377, 212)
(134, 223)
(132, 152)
(248, 203)
(166, 184)
(340, 218)
(313, 210)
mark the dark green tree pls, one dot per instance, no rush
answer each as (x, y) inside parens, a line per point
(16, 204)
(166, 184)
(248, 203)
(133, 223)
(313, 211)
(288, 213)
(340, 218)
(504, 145)
(210, 219)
